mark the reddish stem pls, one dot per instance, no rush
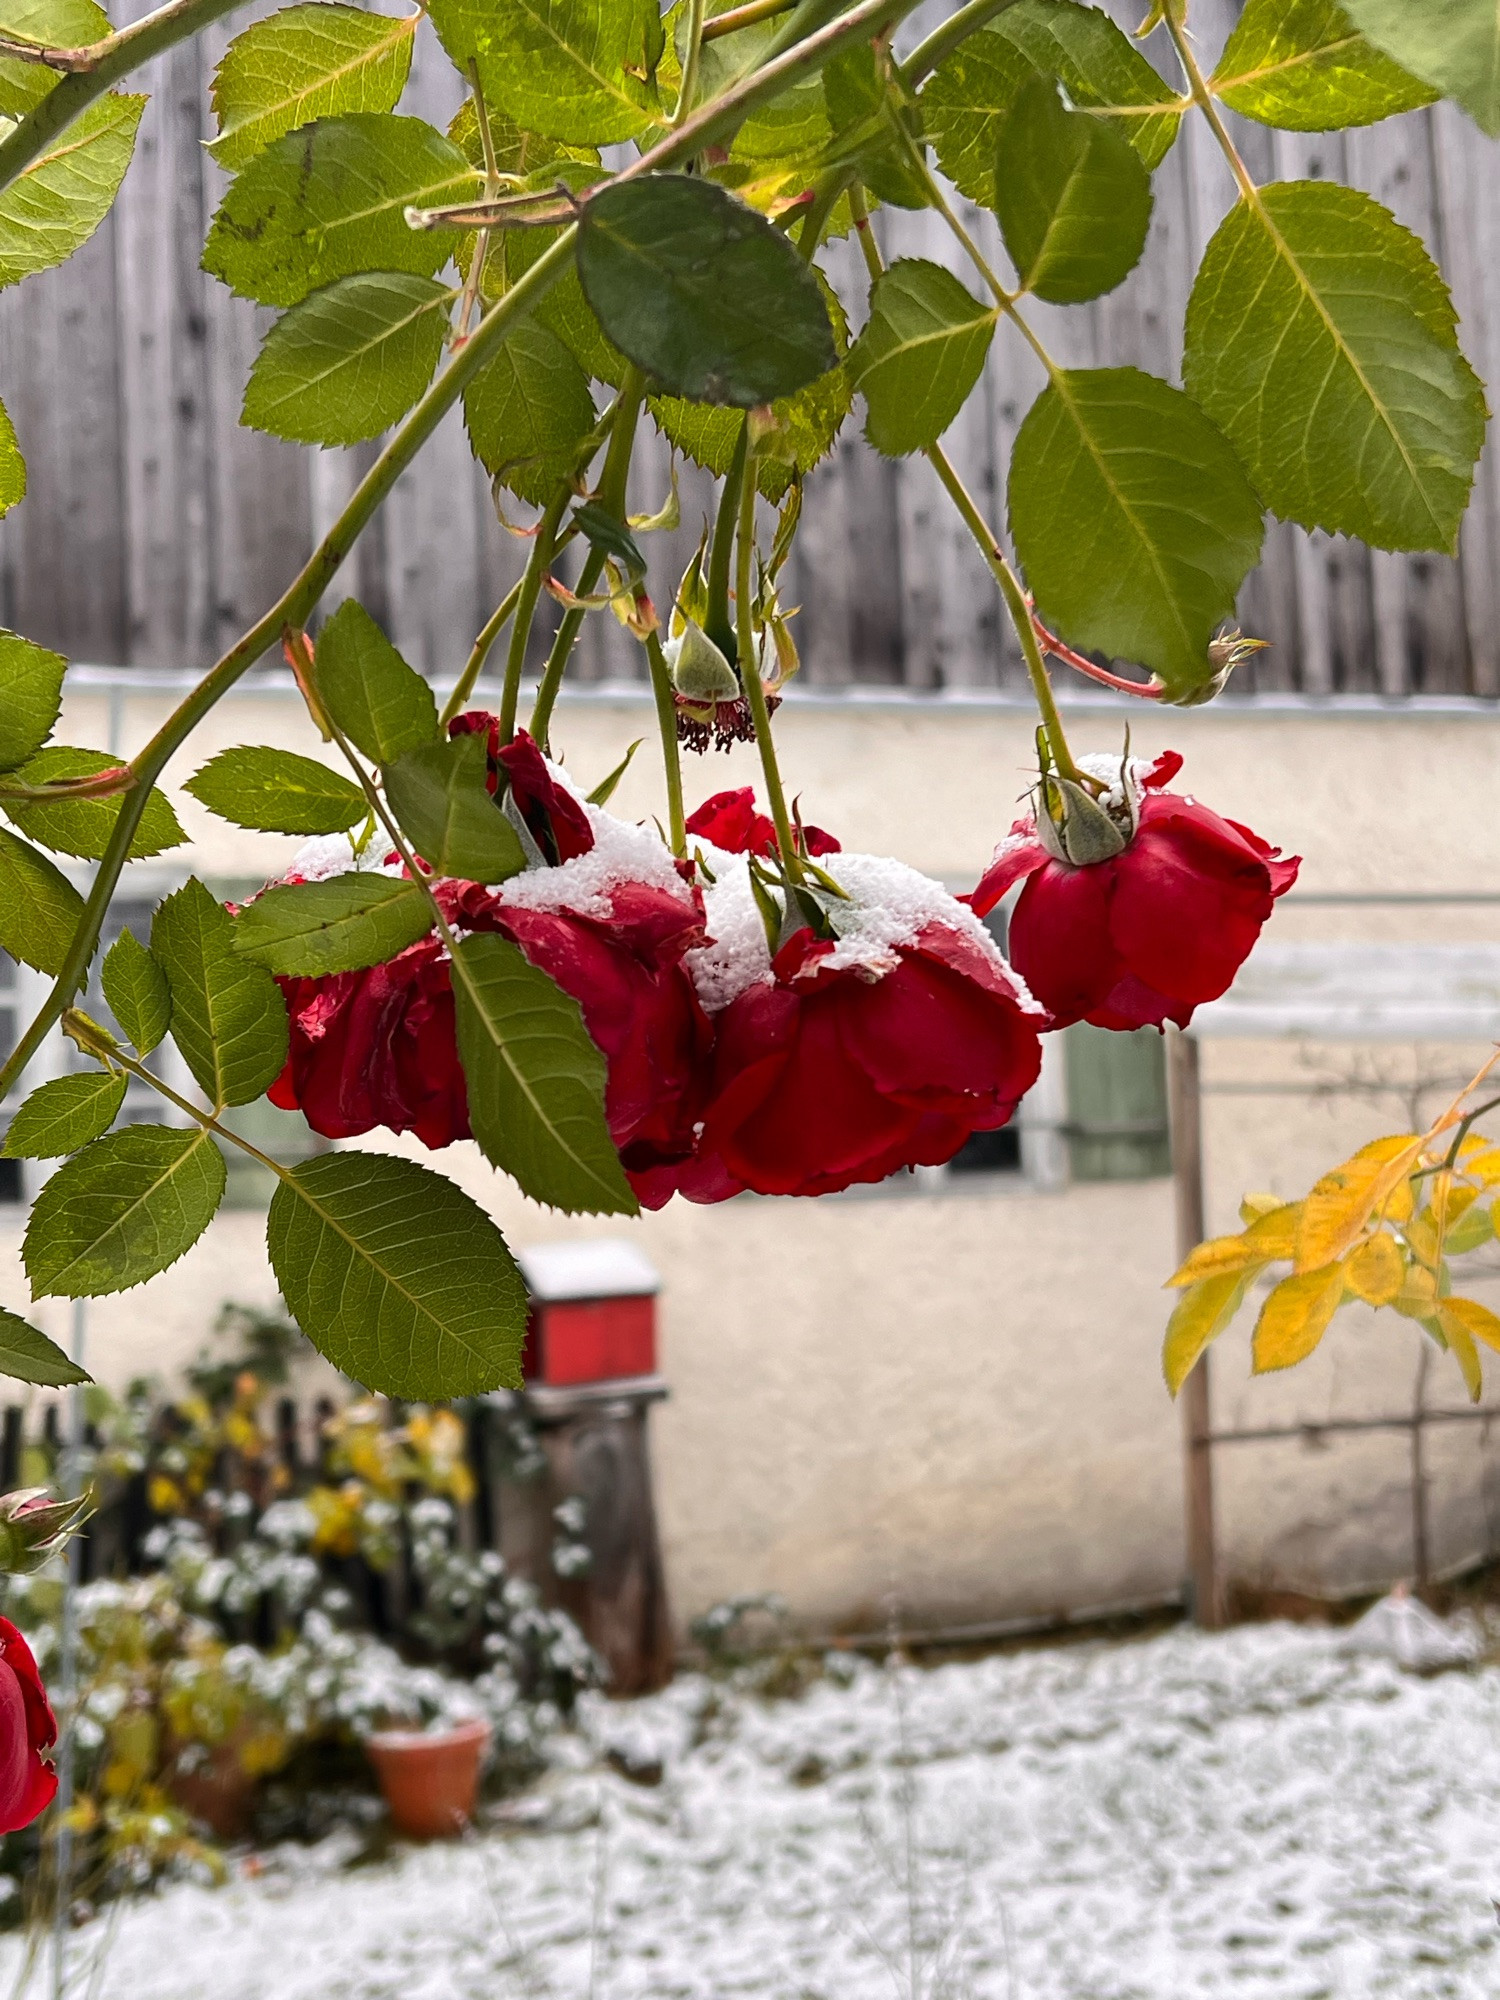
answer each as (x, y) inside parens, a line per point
(1050, 643)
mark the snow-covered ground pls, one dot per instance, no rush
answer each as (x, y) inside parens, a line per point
(1258, 1815)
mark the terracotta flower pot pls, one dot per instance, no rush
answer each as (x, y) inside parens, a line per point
(430, 1779)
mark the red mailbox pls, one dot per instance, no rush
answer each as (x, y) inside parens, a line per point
(593, 1311)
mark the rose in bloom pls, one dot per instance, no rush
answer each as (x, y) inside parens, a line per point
(841, 1058)
(729, 820)
(1139, 905)
(610, 920)
(27, 1728)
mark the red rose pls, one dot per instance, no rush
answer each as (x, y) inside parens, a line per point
(1144, 935)
(27, 1728)
(842, 1059)
(611, 926)
(729, 820)
(556, 819)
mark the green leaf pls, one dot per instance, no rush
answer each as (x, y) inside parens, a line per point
(1073, 197)
(274, 791)
(57, 202)
(39, 907)
(379, 702)
(1132, 518)
(228, 1016)
(136, 992)
(438, 794)
(12, 465)
(702, 292)
(965, 105)
(397, 1277)
(329, 202)
(611, 536)
(1452, 44)
(535, 1081)
(558, 67)
(854, 92)
(792, 125)
(527, 411)
(517, 151)
(350, 361)
(809, 421)
(31, 681)
(64, 1114)
(27, 1355)
(304, 63)
(123, 1209)
(1302, 65)
(83, 826)
(305, 930)
(922, 351)
(1101, 70)
(1321, 338)
(59, 24)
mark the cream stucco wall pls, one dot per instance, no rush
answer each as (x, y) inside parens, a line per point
(954, 1396)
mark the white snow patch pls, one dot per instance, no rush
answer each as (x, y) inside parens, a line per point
(1257, 1814)
(620, 853)
(330, 854)
(737, 955)
(1119, 774)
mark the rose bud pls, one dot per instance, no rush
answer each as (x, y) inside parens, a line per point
(34, 1527)
(27, 1728)
(1139, 905)
(841, 1058)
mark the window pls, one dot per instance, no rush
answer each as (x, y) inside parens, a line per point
(1117, 1128)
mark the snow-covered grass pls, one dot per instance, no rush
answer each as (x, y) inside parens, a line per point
(1258, 1814)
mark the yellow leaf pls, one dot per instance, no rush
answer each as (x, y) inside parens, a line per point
(1274, 1234)
(1421, 1234)
(1400, 1204)
(1474, 1318)
(1254, 1206)
(1484, 1167)
(1461, 1342)
(1200, 1315)
(1295, 1317)
(1418, 1294)
(1335, 1213)
(1375, 1271)
(1216, 1258)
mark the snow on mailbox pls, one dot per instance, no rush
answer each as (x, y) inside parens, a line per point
(593, 1311)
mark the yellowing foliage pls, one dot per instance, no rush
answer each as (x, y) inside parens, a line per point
(1295, 1316)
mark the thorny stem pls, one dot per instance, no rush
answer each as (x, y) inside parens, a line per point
(102, 785)
(611, 497)
(671, 751)
(463, 687)
(1050, 643)
(1015, 604)
(716, 620)
(542, 551)
(695, 37)
(293, 608)
(1203, 97)
(96, 70)
(749, 670)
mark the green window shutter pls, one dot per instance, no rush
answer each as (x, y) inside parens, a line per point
(1117, 1104)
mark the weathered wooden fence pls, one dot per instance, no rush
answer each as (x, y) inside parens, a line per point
(157, 528)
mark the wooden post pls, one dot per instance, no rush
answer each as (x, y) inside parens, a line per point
(1205, 1592)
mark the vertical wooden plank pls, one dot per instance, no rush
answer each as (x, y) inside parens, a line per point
(1465, 180)
(62, 551)
(164, 369)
